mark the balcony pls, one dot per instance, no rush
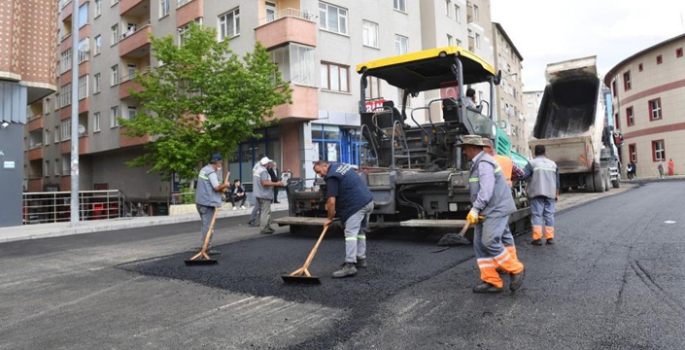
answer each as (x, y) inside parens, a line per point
(35, 184)
(136, 44)
(127, 141)
(288, 25)
(36, 153)
(36, 123)
(128, 84)
(83, 107)
(134, 7)
(189, 11)
(65, 146)
(305, 105)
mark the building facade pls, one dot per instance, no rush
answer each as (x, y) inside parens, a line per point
(531, 105)
(316, 44)
(509, 94)
(648, 100)
(28, 38)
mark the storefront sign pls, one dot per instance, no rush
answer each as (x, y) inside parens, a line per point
(373, 104)
(8, 165)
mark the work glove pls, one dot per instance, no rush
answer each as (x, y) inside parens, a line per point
(472, 218)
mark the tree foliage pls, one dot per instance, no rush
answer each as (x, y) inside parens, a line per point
(203, 99)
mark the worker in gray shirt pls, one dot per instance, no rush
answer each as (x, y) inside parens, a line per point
(208, 195)
(262, 188)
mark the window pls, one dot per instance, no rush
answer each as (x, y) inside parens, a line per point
(270, 11)
(65, 61)
(334, 77)
(448, 8)
(56, 134)
(632, 152)
(458, 42)
(98, 8)
(96, 121)
(400, 5)
(370, 31)
(614, 87)
(47, 137)
(182, 2)
(373, 88)
(57, 169)
(296, 64)
(83, 87)
(83, 50)
(96, 83)
(477, 40)
(66, 129)
(655, 109)
(131, 112)
(332, 18)
(114, 79)
(83, 15)
(401, 44)
(229, 24)
(114, 114)
(115, 34)
(183, 30)
(46, 168)
(658, 150)
(457, 13)
(476, 16)
(640, 67)
(163, 8)
(66, 162)
(626, 81)
(57, 102)
(98, 44)
(659, 59)
(630, 116)
(679, 52)
(449, 40)
(65, 95)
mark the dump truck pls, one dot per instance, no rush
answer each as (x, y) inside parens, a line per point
(571, 125)
(417, 171)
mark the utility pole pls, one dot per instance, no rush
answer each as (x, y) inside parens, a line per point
(75, 210)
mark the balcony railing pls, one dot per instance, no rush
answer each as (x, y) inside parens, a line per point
(288, 13)
(45, 207)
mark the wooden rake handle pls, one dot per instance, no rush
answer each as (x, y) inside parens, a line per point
(203, 251)
(464, 229)
(310, 258)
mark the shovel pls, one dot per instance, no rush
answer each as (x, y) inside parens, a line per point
(462, 234)
(302, 275)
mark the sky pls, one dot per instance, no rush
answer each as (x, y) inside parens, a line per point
(548, 31)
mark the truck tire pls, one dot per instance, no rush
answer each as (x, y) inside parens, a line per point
(617, 182)
(598, 179)
(607, 182)
(589, 183)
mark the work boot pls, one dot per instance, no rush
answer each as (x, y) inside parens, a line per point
(486, 288)
(550, 240)
(347, 269)
(516, 280)
(536, 241)
(361, 263)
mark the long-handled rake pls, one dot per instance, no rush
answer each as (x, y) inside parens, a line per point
(202, 258)
(302, 274)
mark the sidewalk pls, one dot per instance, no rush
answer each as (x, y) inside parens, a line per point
(16, 233)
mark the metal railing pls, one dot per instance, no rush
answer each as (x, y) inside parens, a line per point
(288, 12)
(49, 207)
(139, 27)
(128, 77)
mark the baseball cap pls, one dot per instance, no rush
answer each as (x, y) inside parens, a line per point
(216, 158)
(265, 161)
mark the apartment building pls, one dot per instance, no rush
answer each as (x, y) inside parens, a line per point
(648, 99)
(28, 39)
(531, 105)
(509, 92)
(316, 44)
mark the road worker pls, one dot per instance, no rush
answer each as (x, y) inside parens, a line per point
(543, 192)
(492, 200)
(208, 196)
(508, 168)
(352, 201)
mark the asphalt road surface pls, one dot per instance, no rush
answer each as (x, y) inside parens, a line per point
(614, 280)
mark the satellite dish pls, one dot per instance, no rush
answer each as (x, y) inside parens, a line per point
(81, 130)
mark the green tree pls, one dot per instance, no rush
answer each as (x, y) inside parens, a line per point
(201, 100)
